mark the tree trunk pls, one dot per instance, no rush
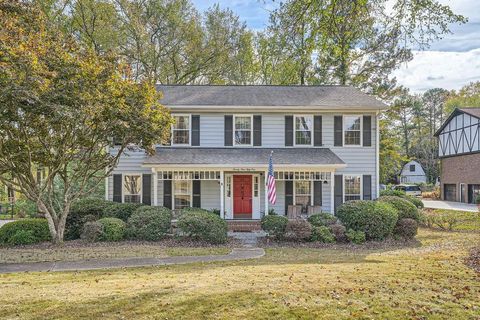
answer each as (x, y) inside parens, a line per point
(56, 225)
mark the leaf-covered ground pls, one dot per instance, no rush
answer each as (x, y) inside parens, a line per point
(427, 280)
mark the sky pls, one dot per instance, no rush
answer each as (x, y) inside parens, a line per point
(449, 63)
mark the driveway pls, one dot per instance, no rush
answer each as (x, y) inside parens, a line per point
(2, 222)
(440, 204)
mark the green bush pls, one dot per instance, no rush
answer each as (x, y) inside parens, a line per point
(357, 237)
(25, 208)
(38, 229)
(477, 199)
(298, 230)
(149, 223)
(275, 226)
(121, 211)
(405, 208)
(417, 202)
(84, 210)
(406, 228)
(338, 232)
(22, 237)
(392, 193)
(113, 229)
(376, 218)
(322, 234)
(203, 225)
(322, 219)
(92, 231)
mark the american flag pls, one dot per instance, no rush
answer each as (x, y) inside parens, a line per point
(272, 191)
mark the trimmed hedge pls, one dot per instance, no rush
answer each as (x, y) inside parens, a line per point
(405, 208)
(84, 210)
(338, 232)
(357, 237)
(92, 231)
(275, 225)
(149, 223)
(392, 193)
(406, 228)
(417, 202)
(121, 211)
(25, 231)
(113, 229)
(376, 218)
(203, 225)
(322, 234)
(322, 219)
(298, 229)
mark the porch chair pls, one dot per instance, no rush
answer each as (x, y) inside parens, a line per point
(294, 211)
(311, 210)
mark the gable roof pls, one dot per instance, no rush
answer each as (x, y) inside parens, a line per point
(474, 112)
(267, 96)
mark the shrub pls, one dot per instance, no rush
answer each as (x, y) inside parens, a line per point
(22, 237)
(149, 223)
(121, 211)
(338, 232)
(37, 227)
(275, 225)
(477, 199)
(406, 228)
(322, 234)
(376, 218)
(405, 208)
(322, 219)
(113, 229)
(298, 229)
(25, 208)
(393, 193)
(444, 221)
(92, 231)
(84, 210)
(203, 225)
(357, 237)
(417, 202)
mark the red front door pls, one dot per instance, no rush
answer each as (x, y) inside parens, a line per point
(242, 196)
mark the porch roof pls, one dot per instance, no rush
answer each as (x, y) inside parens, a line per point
(244, 157)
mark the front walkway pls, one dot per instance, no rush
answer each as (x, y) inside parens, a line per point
(450, 205)
(236, 254)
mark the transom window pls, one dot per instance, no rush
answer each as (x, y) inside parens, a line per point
(303, 130)
(303, 194)
(181, 130)
(182, 193)
(352, 185)
(242, 134)
(132, 188)
(352, 127)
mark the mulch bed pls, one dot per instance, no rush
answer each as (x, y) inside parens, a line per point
(387, 244)
(473, 260)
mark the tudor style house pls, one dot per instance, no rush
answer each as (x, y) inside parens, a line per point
(459, 152)
(324, 141)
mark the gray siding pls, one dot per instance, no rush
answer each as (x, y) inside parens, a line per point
(210, 194)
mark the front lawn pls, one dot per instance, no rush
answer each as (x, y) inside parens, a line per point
(464, 220)
(429, 280)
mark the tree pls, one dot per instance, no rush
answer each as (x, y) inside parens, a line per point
(468, 96)
(391, 158)
(60, 104)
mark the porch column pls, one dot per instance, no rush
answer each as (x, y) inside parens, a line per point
(266, 193)
(332, 192)
(222, 196)
(155, 186)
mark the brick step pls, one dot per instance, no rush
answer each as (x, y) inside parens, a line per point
(244, 226)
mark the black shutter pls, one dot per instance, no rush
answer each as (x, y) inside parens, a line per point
(288, 194)
(317, 193)
(196, 186)
(195, 130)
(257, 131)
(117, 187)
(338, 192)
(317, 131)
(228, 130)
(288, 131)
(367, 187)
(338, 132)
(367, 131)
(147, 189)
(167, 194)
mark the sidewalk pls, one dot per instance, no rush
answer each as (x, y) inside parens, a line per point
(449, 205)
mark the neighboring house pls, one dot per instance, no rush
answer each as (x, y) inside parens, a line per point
(324, 141)
(459, 152)
(412, 172)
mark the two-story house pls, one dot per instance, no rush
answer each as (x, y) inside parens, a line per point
(324, 140)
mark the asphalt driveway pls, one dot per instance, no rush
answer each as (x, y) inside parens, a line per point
(440, 204)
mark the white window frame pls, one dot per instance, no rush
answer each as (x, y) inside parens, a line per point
(343, 184)
(295, 130)
(123, 185)
(234, 130)
(189, 130)
(174, 194)
(295, 191)
(361, 130)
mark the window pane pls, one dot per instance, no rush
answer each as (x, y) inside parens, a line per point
(303, 137)
(181, 122)
(132, 184)
(351, 197)
(242, 137)
(182, 201)
(352, 187)
(132, 198)
(303, 123)
(352, 123)
(182, 187)
(302, 188)
(181, 136)
(243, 123)
(352, 137)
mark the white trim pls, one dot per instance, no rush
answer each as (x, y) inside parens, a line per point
(377, 156)
(295, 116)
(266, 193)
(352, 175)
(189, 144)
(332, 194)
(361, 130)
(295, 190)
(275, 109)
(155, 186)
(141, 185)
(222, 195)
(234, 144)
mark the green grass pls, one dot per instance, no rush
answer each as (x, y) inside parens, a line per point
(424, 280)
(466, 221)
(6, 217)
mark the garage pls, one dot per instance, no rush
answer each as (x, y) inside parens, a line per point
(450, 192)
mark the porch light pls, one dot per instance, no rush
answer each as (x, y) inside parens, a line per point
(325, 182)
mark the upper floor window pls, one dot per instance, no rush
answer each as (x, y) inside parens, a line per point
(352, 129)
(181, 130)
(132, 191)
(303, 130)
(242, 134)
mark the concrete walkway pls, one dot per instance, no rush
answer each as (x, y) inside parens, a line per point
(2, 222)
(236, 254)
(440, 204)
